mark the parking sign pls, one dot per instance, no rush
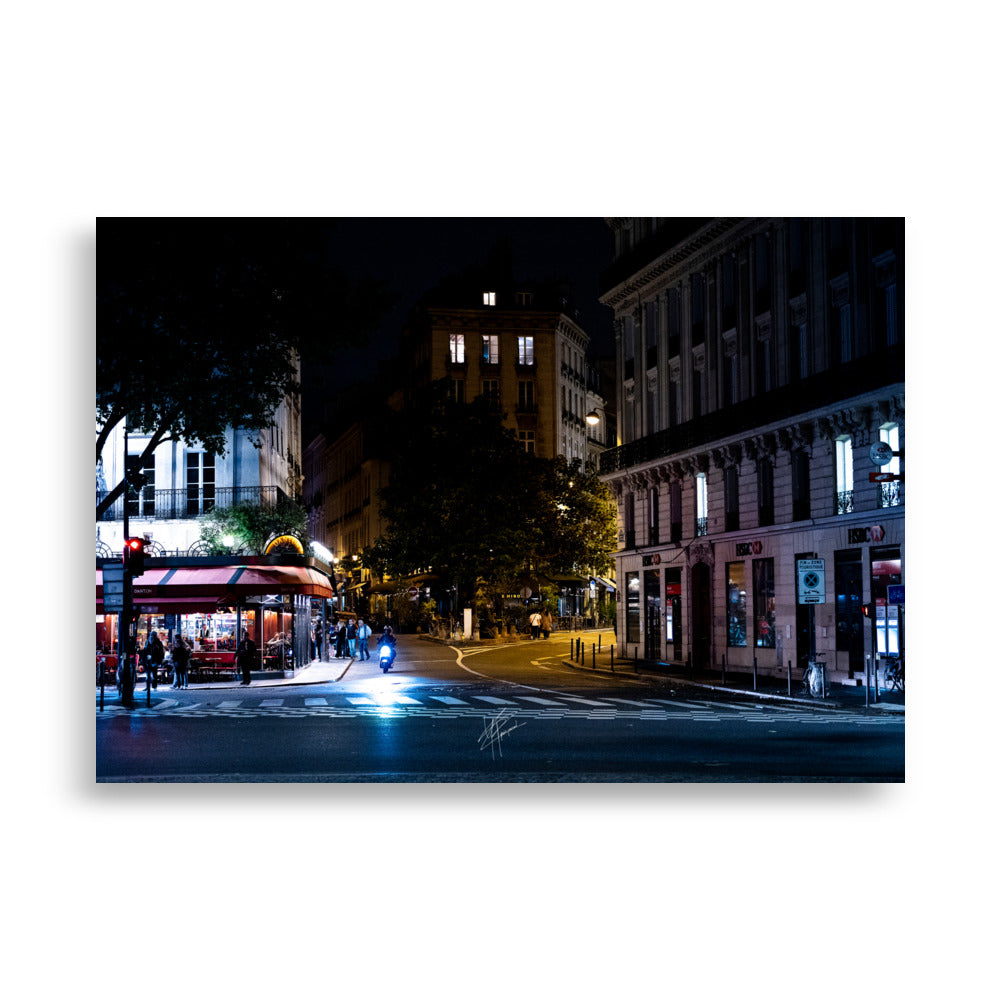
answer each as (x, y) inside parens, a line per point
(812, 581)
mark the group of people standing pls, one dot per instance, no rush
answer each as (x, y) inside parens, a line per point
(153, 654)
(347, 639)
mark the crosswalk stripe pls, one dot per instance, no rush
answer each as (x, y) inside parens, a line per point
(403, 699)
(542, 701)
(272, 703)
(230, 704)
(588, 701)
(310, 702)
(360, 701)
(628, 701)
(493, 701)
(446, 700)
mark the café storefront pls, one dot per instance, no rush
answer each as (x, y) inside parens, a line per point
(210, 601)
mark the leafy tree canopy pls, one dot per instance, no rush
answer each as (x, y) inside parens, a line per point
(201, 323)
(465, 500)
(250, 526)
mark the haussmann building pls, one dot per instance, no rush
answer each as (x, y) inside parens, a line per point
(760, 472)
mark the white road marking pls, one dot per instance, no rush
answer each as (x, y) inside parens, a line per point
(446, 700)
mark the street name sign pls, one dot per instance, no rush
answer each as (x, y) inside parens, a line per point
(812, 581)
(113, 586)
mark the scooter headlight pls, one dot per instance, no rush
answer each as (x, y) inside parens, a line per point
(384, 651)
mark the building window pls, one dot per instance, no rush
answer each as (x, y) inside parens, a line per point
(736, 604)
(887, 570)
(730, 375)
(889, 493)
(457, 390)
(732, 498)
(200, 482)
(526, 396)
(491, 349)
(675, 511)
(845, 475)
(701, 504)
(527, 439)
(525, 350)
(456, 344)
(844, 325)
(628, 520)
(140, 496)
(800, 486)
(654, 516)
(697, 309)
(800, 351)
(765, 493)
(763, 603)
(491, 390)
(796, 257)
(489, 298)
(523, 298)
(673, 322)
(652, 332)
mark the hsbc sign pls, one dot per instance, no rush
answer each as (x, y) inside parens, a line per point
(858, 536)
(753, 548)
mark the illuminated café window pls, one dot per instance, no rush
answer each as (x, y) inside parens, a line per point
(456, 343)
(489, 298)
(491, 349)
(525, 350)
(736, 610)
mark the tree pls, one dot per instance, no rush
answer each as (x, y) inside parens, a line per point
(251, 526)
(465, 500)
(201, 325)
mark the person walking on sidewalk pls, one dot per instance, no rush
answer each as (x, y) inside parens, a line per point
(352, 637)
(152, 656)
(181, 655)
(364, 631)
(536, 623)
(246, 654)
(546, 623)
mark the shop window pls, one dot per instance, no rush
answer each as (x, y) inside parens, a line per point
(673, 606)
(887, 570)
(736, 604)
(763, 603)
(632, 607)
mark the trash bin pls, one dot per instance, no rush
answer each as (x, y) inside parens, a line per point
(815, 673)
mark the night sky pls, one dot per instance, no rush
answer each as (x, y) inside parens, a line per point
(412, 255)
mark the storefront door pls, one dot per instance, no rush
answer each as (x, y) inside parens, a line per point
(701, 617)
(850, 617)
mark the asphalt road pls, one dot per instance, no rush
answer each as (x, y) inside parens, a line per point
(511, 713)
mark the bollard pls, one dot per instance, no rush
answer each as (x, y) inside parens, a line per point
(755, 673)
(612, 657)
(593, 656)
(571, 649)
(789, 678)
(723, 669)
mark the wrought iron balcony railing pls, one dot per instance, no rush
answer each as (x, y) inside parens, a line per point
(184, 504)
(845, 502)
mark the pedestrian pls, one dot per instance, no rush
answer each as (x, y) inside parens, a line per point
(536, 623)
(246, 655)
(546, 623)
(352, 637)
(152, 656)
(181, 654)
(341, 640)
(318, 642)
(364, 631)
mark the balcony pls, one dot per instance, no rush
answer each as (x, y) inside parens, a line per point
(184, 504)
(845, 502)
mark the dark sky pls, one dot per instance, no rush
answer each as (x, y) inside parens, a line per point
(412, 255)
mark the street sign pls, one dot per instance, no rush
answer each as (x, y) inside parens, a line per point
(812, 581)
(113, 587)
(881, 453)
(412, 593)
(885, 477)
(895, 593)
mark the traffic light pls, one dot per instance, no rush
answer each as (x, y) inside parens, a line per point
(867, 609)
(135, 556)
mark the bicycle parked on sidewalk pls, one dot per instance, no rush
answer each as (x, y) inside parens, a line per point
(894, 675)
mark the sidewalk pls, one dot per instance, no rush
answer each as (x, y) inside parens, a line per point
(768, 687)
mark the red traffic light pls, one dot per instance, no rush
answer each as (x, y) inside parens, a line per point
(135, 556)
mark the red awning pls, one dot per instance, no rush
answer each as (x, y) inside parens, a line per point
(203, 588)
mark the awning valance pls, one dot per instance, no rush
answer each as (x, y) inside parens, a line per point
(207, 587)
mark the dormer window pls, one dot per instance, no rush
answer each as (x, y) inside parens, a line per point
(489, 298)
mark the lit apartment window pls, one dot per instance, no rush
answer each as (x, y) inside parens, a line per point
(525, 350)
(889, 495)
(489, 298)
(845, 475)
(491, 349)
(456, 343)
(701, 504)
(200, 482)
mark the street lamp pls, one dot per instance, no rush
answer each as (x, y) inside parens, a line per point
(593, 418)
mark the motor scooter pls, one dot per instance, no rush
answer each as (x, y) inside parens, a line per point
(386, 656)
